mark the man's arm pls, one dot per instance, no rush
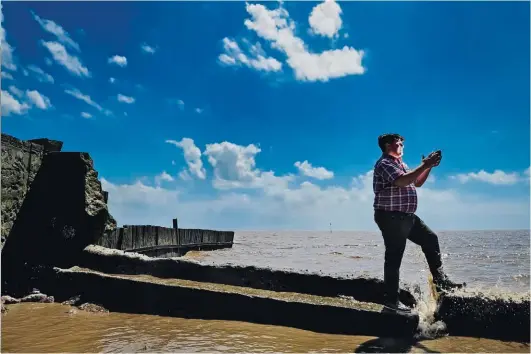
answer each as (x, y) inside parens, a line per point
(422, 178)
(412, 176)
(398, 177)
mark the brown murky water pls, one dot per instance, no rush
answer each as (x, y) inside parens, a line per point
(32, 327)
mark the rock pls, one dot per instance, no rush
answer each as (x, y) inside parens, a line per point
(6, 299)
(73, 301)
(4, 309)
(71, 311)
(38, 298)
(54, 220)
(48, 145)
(92, 308)
(21, 161)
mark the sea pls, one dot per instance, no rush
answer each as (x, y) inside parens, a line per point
(487, 261)
(491, 262)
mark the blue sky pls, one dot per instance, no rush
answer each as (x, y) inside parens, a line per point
(265, 115)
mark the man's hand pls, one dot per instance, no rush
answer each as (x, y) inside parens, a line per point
(433, 159)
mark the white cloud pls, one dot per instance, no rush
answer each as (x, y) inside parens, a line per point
(70, 62)
(38, 100)
(40, 75)
(235, 168)
(58, 31)
(118, 60)
(16, 91)
(234, 56)
(181, 104)
(307, 169)
(10, 105)
(497, 177)
(232, 162)
(164, 176)
(6, 75)
(276, 27)
(48, 61)
(198, 110)
(192, 156)
(112, 80)
(125, 99)
(86, 98)
(148, 49)
(307, 206)
(86, 115)
(325, 19)
(7, 50)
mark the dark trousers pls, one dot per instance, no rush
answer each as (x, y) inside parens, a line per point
(397, 228)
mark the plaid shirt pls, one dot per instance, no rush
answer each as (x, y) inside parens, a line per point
(387, 196)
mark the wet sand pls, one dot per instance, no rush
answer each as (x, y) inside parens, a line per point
(33, 327)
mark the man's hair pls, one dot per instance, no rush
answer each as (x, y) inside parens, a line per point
(385, 139)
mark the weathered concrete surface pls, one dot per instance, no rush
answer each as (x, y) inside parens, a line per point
(61, 214)
(188, 300)
(119, 262)
(476, 315)
(21, 161)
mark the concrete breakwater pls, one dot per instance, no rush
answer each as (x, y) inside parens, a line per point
(479, 315)
(157, 241)
(202, 300)
(116, 262)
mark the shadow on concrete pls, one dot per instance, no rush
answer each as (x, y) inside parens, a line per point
(392, 345)
(52, 226)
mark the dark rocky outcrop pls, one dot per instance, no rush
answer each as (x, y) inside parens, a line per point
(21, 161)
(62, 210)
(479, 315)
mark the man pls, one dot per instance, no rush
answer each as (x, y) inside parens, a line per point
(395, 204)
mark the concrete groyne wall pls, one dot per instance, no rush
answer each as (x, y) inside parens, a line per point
(157, 241)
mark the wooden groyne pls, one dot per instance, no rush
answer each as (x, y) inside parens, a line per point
(157, 241)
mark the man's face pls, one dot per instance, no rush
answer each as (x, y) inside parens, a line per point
(396, 148)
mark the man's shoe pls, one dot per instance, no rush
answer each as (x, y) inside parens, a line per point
(396, 306)
(445, 284)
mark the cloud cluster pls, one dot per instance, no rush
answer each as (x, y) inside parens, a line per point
(58, 47)
(256, 59)
(307, 169)
(148, 49)
(325, 19)
(263, 199)
(125, 99)
(18, 102)
(278, 30)
(86, 98)
(7, 51)
(192, 156)
(498, 177)
(118, 60)
(40, 74)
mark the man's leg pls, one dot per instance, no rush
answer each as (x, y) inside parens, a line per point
(423, 236)
(395, 230)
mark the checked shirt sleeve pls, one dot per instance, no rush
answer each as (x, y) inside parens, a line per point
(389, 171)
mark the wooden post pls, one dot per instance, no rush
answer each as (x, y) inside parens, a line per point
(175, 224)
